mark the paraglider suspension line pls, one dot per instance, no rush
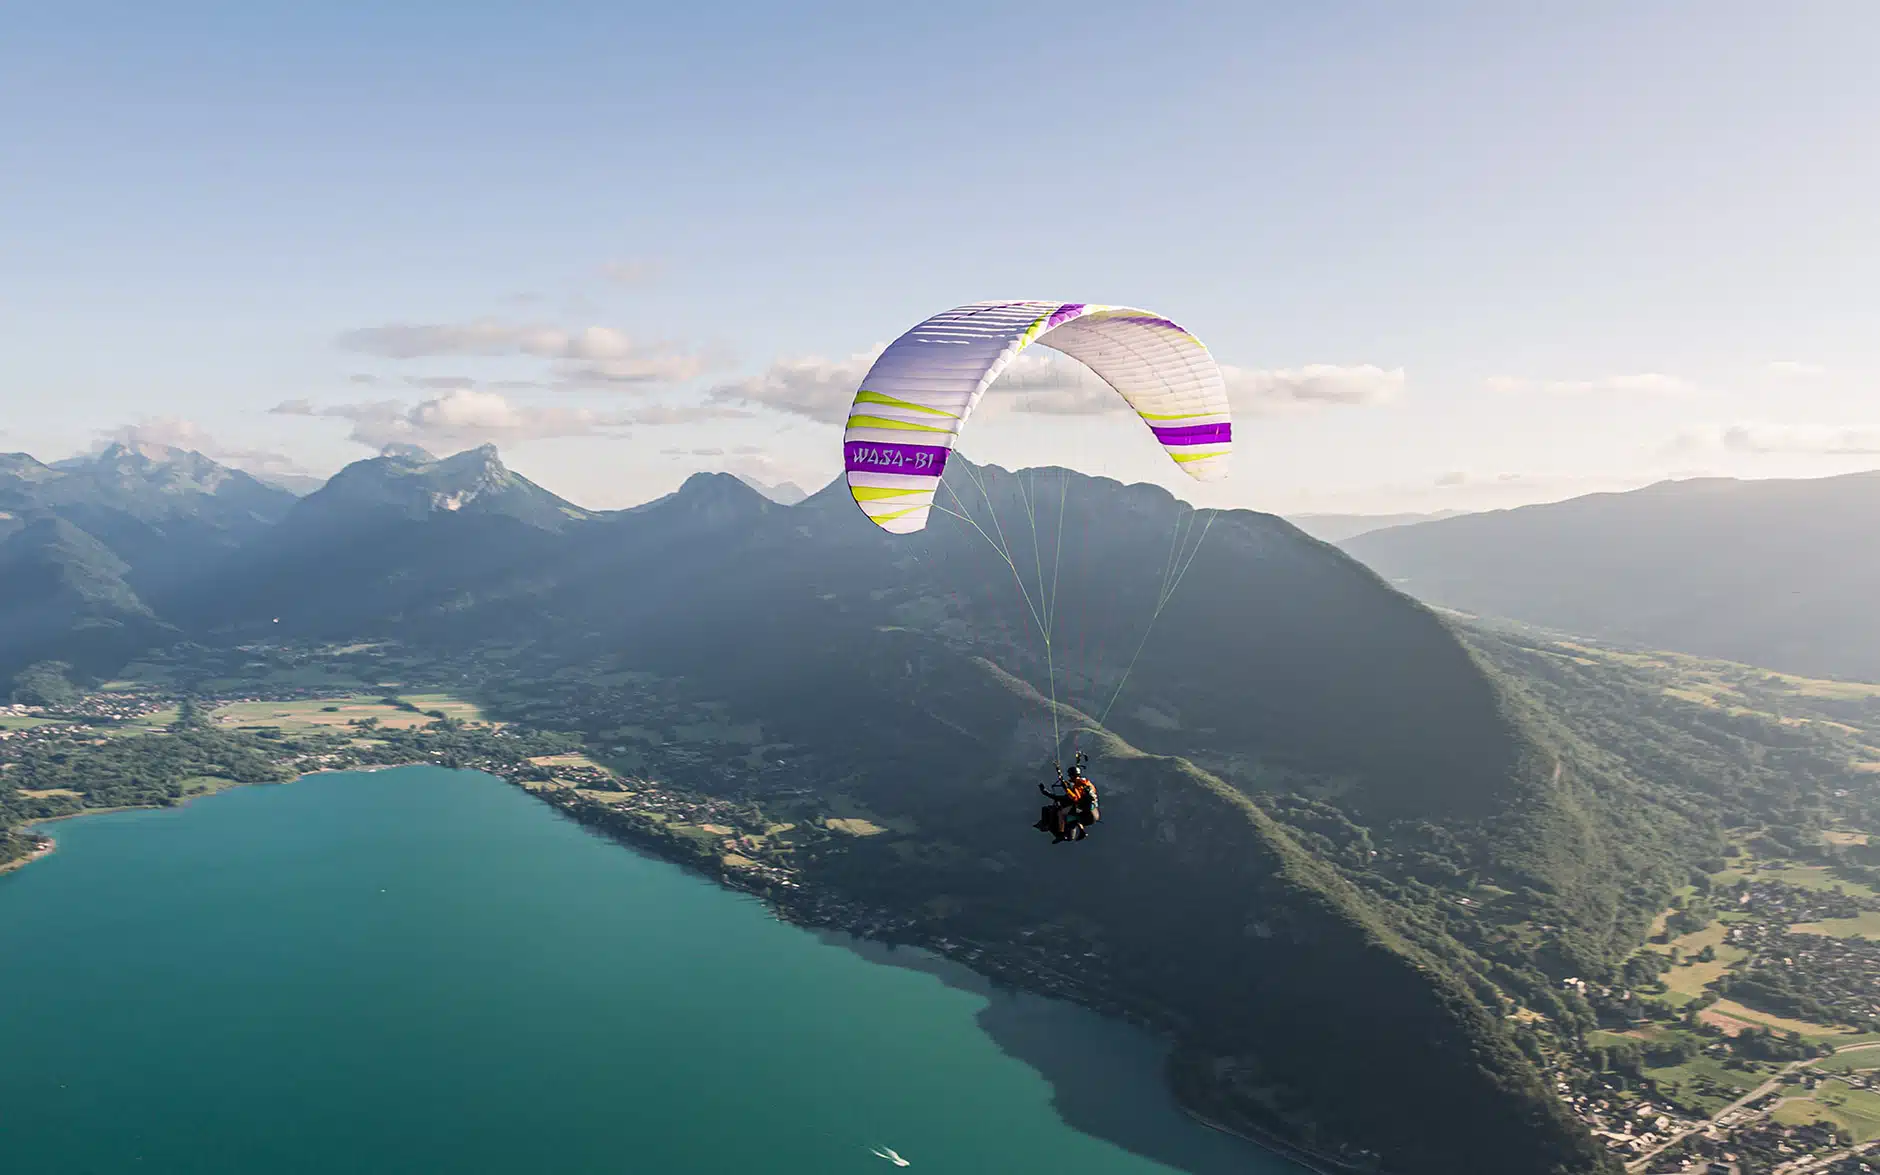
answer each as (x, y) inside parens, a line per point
(1180, 559)
(1044, 609)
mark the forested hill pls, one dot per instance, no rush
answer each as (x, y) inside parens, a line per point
(1305, 769)
(1774, 573)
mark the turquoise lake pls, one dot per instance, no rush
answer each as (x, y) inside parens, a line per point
(424, 970)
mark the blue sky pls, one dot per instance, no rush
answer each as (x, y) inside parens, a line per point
(1460, 255)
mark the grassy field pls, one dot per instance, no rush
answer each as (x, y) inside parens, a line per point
(450, 707)
(202, 785)
(1865, 926)
(1856, 1109)
(845, 809)
(695, 832)
(1827, 1033)
(1689, 978)
(23, 721)
(854, 826)
(1814, 877)
(571, 760)
(336, 713)
(1682, 1082)
(1851, 1061)
(1607, 1038)
(1730, 1025)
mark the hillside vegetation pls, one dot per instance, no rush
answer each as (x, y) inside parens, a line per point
(1349, 858)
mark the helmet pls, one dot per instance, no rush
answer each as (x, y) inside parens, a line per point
(1077, 771)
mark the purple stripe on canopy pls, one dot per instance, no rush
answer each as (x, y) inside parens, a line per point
(888, 457)
(1064, 314)
(1194, 434)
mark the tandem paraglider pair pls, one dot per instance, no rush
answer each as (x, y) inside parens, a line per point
(907, 416)
(1073, 807)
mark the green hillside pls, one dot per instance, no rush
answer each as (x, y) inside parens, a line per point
(1350, 856)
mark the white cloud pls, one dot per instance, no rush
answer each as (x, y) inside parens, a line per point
(156, 436)
(461, 416)
(1049, 384)
(591, 355)
(1052, 385)
(819, 389)
(657, 414)
(1789, 368)
(651, 367)
(1809, 439)
(419, 340)
(1057, 388)
(1646, 383)
(1255, 392)
(1462, 479)
(631, 272)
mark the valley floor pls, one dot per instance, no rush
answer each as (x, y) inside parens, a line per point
(1746, 1041)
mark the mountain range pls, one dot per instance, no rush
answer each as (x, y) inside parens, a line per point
(1776, 573)
(1305, 771)
(94, 548)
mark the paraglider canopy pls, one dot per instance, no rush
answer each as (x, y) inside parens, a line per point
(910, 409)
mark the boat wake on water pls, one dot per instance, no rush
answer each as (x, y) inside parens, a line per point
(887, 1152)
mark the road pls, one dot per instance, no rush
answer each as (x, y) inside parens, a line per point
(1806, 1166)
(1766, 1087)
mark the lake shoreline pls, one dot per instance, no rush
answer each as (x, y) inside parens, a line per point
(182, 802)
(1315, 1163)
(802, 906)
(49, 845)
(824, 914)
(227, 785)
(320, 952)
(44, 849)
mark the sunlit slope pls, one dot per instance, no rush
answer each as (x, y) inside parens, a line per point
(1775, 573)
